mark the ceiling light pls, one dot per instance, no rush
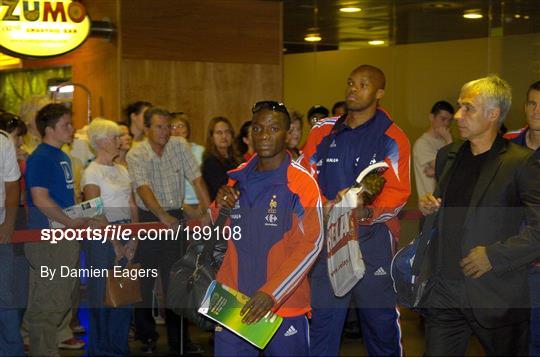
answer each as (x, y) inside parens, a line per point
(376, 42)
(473, 14)
(350, 9)
(517, 16)
(313, 37)
(526, 17)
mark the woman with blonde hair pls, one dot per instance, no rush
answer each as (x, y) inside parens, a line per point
(109, 327)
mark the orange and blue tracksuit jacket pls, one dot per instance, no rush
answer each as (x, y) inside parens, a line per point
(280, 216)
(335, 154)
(518, 136)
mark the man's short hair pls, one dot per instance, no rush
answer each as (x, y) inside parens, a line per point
(534, 86)
(273, 106)
(496, 93)
(340, 104)
(49, 115)
(440, 106)
(317, 109)
(150, 112)
(377, 72)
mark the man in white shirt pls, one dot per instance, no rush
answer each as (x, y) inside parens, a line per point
(11, 343)
(426, 147)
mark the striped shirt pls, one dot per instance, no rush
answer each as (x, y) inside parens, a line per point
(165, 175)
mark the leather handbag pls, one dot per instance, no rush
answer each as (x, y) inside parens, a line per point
(191, 276)
(123, 290)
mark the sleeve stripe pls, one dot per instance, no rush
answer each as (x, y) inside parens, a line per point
(290, 282)
(386, 216)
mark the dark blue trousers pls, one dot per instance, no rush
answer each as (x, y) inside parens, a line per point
(291, 339)
(109, 327)
(374, 296)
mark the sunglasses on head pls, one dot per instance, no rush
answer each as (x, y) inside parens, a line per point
(270, 105)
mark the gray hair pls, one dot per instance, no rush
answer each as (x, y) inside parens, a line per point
(101, 128)
(496, 93)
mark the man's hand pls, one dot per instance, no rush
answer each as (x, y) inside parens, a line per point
(444, 133)
(98, 222)
(373, 184)
(6, 231)
(78, 222)
(476, 263)
(257, 307)
(428, 204)
(169, 221)
(227, 196)
(429, 169)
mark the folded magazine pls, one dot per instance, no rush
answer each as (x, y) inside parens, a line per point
(86, 209)
(223, 305)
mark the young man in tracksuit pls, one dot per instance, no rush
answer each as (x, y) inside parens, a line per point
(336, 151)
(277, 205)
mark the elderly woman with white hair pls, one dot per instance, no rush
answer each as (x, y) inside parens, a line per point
(109, 327)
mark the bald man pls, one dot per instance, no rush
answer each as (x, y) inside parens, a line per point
(336, 151)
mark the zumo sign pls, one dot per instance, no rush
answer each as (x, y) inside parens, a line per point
(38, 28)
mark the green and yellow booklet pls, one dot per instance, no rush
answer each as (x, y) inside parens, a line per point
(223, 305)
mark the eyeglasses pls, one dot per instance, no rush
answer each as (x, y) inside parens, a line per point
(271, 105)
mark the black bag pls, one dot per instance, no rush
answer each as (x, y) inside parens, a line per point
(192, 274)
(411, 266)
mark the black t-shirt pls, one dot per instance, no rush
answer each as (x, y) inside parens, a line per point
(214, 173)
(456, 203)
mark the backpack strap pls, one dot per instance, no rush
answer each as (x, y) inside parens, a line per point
(425, 233)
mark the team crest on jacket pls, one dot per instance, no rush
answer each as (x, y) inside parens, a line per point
(271, 213)
(235, 214)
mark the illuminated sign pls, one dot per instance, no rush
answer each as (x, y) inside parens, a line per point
(38, 28)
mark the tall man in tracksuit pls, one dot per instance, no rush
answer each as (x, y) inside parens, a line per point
(277, 205)
(336, 151)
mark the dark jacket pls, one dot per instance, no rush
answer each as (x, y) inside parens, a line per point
(504, 216)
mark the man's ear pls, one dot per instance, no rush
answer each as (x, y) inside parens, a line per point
(494, 114)
(380, 94)
(48, 130)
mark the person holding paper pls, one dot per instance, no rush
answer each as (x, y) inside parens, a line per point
(50, 186)
(277, 205)
(337, 150)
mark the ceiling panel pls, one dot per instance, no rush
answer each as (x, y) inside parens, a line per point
(402, 21)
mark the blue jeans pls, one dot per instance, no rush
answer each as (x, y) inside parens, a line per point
(11, 343)
(109, 327)
(534, 287)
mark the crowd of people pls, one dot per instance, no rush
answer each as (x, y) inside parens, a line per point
(484, 188)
